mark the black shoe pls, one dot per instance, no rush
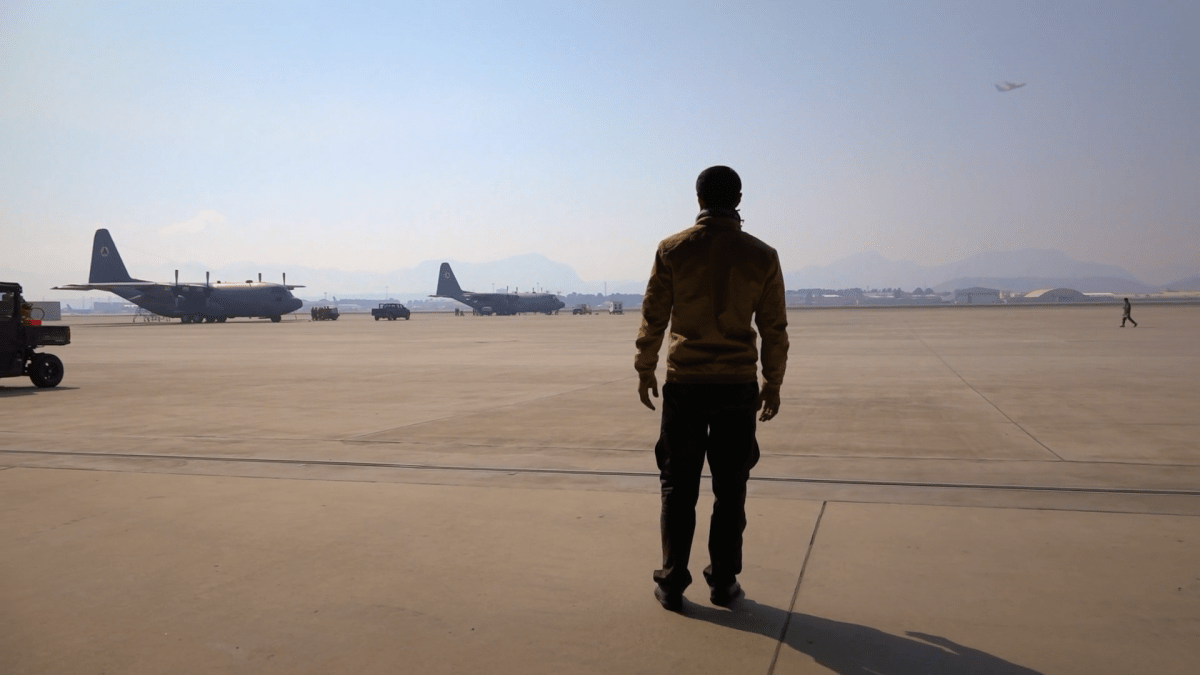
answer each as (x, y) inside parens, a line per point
(670, 600)
(723, 595)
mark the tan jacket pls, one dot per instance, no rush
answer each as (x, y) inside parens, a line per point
(708, 281)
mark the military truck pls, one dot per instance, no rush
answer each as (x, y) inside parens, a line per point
(582, 309)
(20, 334)
(391, 311)
(325, 313)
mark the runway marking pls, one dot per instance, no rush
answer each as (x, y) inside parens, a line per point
(980, 394)
(612, 473)
(787, 620)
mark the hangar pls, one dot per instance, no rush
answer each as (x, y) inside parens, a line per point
(1055, 295)
(976, 296)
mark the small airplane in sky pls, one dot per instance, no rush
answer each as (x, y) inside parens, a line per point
(1009, 86)
(189, 302)
(495, 303)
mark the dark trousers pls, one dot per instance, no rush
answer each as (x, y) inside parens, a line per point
(698, 420)
(1127, 318)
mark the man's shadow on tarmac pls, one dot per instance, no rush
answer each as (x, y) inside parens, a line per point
(853, 649)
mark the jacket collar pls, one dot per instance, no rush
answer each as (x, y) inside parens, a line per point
(720, 216)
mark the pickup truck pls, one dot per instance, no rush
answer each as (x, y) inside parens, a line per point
(391, 311)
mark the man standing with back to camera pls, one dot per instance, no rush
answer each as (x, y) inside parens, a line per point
(713, 283)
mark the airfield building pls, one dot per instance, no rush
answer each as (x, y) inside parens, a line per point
(977, 296)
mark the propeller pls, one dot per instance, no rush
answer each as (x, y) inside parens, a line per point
(260, 277)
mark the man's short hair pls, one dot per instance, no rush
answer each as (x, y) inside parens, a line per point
(719, 186)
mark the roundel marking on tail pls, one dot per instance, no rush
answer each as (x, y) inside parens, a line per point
(446, 275)
(104, 251)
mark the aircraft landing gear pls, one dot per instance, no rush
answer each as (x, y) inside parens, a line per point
(222, 319)
(276, 319)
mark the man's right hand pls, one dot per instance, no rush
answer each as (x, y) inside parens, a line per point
(646, 384)
(768, 402)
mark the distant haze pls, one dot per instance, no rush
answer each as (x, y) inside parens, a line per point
(351, 145)
(1023, 270)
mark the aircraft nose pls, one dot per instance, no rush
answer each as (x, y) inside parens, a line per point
(296, 303)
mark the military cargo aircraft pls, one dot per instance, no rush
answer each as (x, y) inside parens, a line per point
(495, 303)
(189, 302)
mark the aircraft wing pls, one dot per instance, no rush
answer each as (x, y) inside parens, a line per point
(108, 285)
(149, 289)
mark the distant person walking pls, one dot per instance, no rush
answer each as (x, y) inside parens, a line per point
(1125, 317)
(713, 283)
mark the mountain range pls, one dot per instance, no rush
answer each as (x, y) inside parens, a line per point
(1021, 270)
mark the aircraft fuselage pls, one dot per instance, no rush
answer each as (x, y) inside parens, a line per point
(513, 303)
(218, 300)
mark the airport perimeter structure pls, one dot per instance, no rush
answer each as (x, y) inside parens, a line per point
(944, 491)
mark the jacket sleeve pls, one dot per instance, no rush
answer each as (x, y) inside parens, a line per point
(656, 314)
(771, 318)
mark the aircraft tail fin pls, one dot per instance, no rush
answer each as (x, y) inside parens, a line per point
(106, 262)
(447, 285)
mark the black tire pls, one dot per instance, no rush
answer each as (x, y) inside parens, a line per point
(376, 318)
(276, 319)
(45, 370)
(222, 319)
(406, 318)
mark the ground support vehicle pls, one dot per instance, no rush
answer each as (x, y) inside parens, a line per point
(582, 309)
(617, 308)
(325, 313)
(20, 334)
(391, 311)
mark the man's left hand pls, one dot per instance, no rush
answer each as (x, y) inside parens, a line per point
(768, 402)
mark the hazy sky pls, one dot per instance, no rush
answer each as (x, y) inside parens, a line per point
(372, 137)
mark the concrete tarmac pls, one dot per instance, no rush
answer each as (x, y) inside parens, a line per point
(951, 490)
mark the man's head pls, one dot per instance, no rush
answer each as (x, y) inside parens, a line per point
(719, 187)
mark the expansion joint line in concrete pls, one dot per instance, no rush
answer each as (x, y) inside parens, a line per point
(985, 398)
(351, 464)
(787, 620)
